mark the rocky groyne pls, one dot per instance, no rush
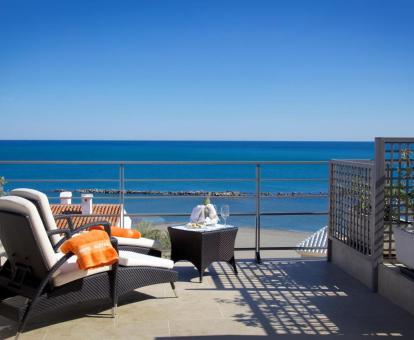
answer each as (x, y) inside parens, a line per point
(195, 193)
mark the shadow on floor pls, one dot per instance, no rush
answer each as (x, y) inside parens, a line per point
(277, 337)
(283, 299)
(299, 299)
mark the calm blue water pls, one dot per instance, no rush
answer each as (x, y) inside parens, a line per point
(190, 151)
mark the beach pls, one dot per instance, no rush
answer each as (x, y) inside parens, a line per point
(268, 238)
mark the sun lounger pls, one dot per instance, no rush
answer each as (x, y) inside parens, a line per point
(49, 280)
(141, 245)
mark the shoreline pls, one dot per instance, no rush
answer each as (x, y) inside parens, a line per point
(164, 226)
(246, 228)
(268, 237)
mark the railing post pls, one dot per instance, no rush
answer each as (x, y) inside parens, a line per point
(121, 192)
(377, 222)
(330, 206)
(258, 199)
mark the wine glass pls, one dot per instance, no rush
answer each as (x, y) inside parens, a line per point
(225, 213)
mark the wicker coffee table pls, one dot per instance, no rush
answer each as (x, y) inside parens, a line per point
(202, 247)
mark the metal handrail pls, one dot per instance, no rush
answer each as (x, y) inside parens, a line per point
(34, 162)
(184, 214)
(122, 179)
(97, 180)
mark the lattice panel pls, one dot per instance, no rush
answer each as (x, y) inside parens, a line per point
(399, 189)
(351, 204)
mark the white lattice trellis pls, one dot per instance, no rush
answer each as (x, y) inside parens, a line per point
(397, 158)
(351, 204)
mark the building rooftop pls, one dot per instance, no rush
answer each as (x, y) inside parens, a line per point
(75, 209)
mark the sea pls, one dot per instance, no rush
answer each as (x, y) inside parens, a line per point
(154, 189)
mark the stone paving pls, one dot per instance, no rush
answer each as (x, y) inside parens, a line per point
(283, 299)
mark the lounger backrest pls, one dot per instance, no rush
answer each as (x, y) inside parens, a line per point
(40, 200)
(24, 237)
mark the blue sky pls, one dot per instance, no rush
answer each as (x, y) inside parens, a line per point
(207, 70)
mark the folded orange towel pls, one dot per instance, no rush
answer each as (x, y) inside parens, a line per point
(93, 249)
(120, 232)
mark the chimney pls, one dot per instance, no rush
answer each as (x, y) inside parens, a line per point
(65, 197)
(86, 204)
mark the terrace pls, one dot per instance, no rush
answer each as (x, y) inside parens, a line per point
(353, 293)
(293, 299)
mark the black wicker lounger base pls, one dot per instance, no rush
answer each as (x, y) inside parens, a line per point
(96, 287)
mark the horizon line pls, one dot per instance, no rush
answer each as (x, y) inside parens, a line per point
(182, 140)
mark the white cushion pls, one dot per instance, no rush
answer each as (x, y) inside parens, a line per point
(70, 271)
(46, 211)
(130, 259)
(24, 207)
(44, 205)
(140, 242)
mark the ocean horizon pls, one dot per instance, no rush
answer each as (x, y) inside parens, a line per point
(293, 192)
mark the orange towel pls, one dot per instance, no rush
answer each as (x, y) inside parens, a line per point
(93, 249)
(120, 232)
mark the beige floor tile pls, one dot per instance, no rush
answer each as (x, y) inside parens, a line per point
(37, 334)
(206, 326)
(110, 329)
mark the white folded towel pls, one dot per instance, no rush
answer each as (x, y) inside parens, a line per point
(211, 214)
(211, 221)
(204, 214)
(198, 214)
(211, 211)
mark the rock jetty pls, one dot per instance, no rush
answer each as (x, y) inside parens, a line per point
(196, 193)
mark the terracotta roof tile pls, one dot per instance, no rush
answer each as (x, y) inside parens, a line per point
(98, 209)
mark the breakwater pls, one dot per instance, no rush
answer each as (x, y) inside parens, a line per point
(196, 193)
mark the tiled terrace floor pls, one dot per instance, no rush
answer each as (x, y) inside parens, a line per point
(284, 299)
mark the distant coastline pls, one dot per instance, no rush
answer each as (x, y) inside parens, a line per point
(196, 193)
